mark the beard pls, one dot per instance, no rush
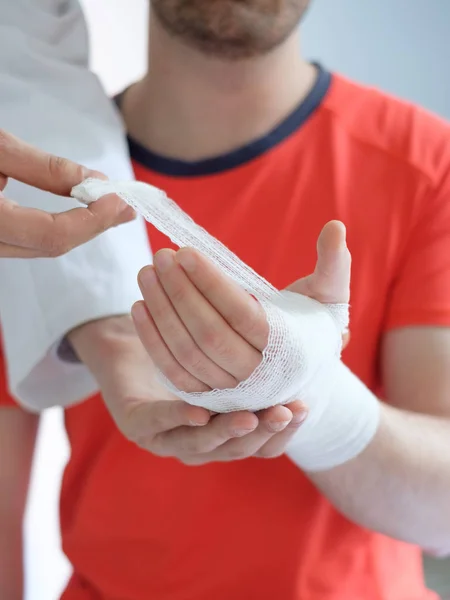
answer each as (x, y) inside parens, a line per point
(230, 29)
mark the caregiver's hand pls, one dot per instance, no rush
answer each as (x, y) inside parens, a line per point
(30, 233)
(203, 331)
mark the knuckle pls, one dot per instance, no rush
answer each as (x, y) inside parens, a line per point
(214, 342)
(129, 422)
(191, 360)
(185, 352)
(157, 423)
(251, 324)
(237, 453)
(158, 448)
(178, 294)
(55, 241)
(164, 313)
(54, 247)
(255, 327)
(59, 167)
(196, 365)
(193, 447)
(210, 338)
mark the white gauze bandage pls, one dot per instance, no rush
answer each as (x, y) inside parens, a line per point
(302, 356)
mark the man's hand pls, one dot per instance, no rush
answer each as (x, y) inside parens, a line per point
(31, 233)
(203, 332)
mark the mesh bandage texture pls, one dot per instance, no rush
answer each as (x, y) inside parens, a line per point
(305, 336)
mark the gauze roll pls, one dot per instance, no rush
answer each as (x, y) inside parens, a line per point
(305, 337)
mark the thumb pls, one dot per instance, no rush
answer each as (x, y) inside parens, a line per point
(330, 282)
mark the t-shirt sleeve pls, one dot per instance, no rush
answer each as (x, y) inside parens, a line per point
(421, 291)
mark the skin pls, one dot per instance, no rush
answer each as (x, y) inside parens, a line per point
(230, 29)
(32, 233)
(400, 484)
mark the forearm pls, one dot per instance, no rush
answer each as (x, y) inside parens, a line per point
(11, 558)
(400, 484)
(100, 340)
(112, 351)
(17, 438)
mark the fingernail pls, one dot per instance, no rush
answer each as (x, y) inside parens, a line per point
(279, 425)
(89, 173)
(242, 432)
(164, 260)
(299, 418)
(186, 259)
(197, 424)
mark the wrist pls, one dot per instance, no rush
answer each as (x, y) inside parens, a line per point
(102, 339)
(343, 419)
(111, 349)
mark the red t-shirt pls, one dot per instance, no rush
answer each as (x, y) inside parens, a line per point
(139, 527)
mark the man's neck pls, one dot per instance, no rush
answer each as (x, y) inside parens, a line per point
(193, 107)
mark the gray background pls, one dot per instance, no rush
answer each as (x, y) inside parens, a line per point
(402, 46)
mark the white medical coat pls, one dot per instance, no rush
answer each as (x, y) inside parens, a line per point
(49, 98)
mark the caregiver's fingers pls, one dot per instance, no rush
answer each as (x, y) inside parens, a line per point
(211, 332)
(55, 234)
(185, 351)
(236, 306)
(187, 442)
(160, 354)
(40, 169)
(9, 251)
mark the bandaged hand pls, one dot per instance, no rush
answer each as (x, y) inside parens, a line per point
(214, 338)
(204, 332)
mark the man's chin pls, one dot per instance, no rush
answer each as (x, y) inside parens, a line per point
(230, 29)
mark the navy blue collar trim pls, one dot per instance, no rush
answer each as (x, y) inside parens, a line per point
(236, 158)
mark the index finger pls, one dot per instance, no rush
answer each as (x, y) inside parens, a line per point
(242, 312)
(34, 167)
(54, 234)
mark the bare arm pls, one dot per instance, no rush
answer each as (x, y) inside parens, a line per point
(17, 439)
(400, 485)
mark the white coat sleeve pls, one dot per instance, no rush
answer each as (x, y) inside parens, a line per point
(50, 99)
